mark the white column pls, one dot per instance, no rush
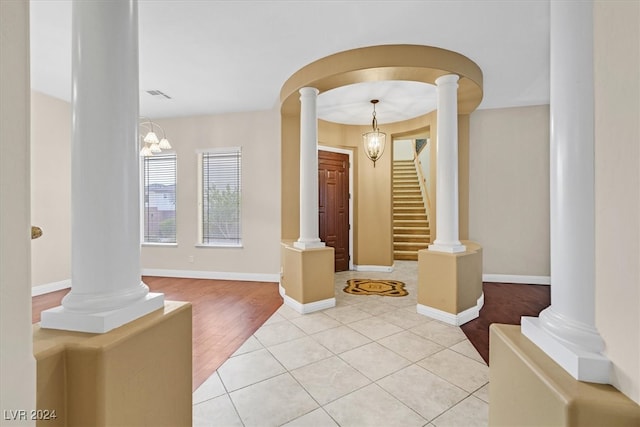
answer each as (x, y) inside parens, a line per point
(447, 170)
(309, 224)
(566, 330)
(106, 290)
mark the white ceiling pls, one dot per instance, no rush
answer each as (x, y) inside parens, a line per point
(224, 56)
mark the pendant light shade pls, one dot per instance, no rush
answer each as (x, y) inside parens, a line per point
(375, 140)
(151, 143)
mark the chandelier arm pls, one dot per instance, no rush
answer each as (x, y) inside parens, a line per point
(149, 124)
(162, 130)
(145, 126)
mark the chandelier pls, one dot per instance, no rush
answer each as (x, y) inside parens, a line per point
(374, 141)
(152, 144)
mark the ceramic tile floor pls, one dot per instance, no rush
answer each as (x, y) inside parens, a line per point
(369, 361)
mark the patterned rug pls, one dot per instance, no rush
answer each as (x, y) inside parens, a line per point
(387, 288)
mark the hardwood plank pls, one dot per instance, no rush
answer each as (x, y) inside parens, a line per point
(505, 303)
(225, 314)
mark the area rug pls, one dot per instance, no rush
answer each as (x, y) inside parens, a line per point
(387, 288)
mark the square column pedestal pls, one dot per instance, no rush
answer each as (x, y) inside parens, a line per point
(527, 388)
(136, 375)
(307, 278)
(450, 284)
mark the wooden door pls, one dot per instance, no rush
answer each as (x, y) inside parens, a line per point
(333, 183)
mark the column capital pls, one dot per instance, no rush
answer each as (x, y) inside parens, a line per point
(308, 92)
(447, 79)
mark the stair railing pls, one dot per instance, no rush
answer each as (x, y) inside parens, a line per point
(423, 181)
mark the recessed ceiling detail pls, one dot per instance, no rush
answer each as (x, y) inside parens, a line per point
(399, 100)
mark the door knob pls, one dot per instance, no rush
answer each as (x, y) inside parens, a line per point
(35, 232)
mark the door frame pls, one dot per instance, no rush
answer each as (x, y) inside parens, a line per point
(352, 196)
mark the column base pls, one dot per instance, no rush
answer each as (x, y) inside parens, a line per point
(527, 388)
(451, 249)
(138, 374)
(309, 244)
(59, 318)
(581, 365)
(450, 284)
(307, 279)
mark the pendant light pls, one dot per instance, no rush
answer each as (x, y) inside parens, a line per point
(152, 144)
(374, 141)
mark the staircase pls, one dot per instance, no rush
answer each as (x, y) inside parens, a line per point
(410, 222)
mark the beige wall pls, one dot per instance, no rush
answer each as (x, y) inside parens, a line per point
(509, 189)
(617, 181)
(373, 228)
(503, 143)
(373, 234)
(403, 149)
(50, 188)
(258, 133)
(290, 177)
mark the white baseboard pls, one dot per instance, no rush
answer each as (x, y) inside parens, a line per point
(216, 275)
(50, 287)
(189, 274)
(514, 278)
(452, 319)
(306, 308)
(378, 268)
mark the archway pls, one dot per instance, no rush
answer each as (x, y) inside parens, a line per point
(377, 63)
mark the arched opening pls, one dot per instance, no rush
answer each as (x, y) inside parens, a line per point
(373, 228)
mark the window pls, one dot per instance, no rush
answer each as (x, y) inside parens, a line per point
(220, 195)
(159, 216)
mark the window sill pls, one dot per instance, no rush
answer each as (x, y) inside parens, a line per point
(220, 245)
(162, 245)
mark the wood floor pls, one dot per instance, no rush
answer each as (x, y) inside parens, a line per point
(225, 314)
(504, 303)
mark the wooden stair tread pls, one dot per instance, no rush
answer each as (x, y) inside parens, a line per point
(411, 231)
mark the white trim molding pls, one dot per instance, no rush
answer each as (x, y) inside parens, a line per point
(306, 308)
(215, 275)
(377, 268)
(186, 274)
(515, 278)
(452, 319)
(50, 287)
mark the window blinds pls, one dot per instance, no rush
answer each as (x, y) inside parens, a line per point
(159, 222)
(221, 191)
